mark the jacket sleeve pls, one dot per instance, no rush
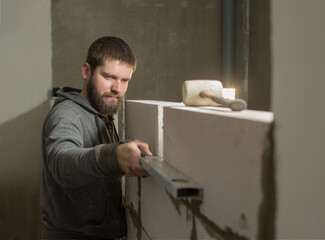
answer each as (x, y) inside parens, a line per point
(70, 163)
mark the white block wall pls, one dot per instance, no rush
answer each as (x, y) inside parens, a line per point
(144, 121)
(227, 153)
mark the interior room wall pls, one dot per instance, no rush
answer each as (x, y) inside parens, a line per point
(259, 59)
(173, 41)
(25, 67)
(298, 57)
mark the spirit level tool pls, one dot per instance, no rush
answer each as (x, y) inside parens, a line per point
(177, 184)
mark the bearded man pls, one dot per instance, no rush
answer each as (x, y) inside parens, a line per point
(83, 158)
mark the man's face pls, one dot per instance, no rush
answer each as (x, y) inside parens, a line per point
(107, 85)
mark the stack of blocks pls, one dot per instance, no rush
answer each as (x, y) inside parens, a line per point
(229, 154)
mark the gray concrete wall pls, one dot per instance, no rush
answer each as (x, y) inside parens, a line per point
(25, 66)
(298, 57)
(173, 41)
(258, 50)
(260, 69)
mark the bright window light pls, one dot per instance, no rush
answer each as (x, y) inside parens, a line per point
(229, 93)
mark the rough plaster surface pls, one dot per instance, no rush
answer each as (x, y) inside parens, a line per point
(161, 34)
(222, 151)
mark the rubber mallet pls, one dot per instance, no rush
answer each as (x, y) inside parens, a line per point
(208, 93)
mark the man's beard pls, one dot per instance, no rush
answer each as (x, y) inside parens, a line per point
(102, 103)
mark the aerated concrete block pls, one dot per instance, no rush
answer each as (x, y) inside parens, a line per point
(227, 153)
(230, 155)
(144, 197)
(144, 120)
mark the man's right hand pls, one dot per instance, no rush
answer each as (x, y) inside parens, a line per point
(128, 157)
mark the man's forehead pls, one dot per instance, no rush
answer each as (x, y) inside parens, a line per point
(112, 61)
(118, 68)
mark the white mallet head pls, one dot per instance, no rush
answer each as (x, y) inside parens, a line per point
(192, 88)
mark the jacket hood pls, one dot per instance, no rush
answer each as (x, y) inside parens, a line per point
(73, 94)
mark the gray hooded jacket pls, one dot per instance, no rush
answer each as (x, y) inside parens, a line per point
(81, 188)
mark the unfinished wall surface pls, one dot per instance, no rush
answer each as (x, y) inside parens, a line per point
(259, 69)
(253, 54)
(228, 153)
(173, 41)
(25, 66)
(298, 57)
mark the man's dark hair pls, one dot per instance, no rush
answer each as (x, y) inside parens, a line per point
(109, 47)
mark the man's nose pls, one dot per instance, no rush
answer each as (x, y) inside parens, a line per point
(117, 86)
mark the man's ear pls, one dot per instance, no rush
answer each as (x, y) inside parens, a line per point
(85, 71)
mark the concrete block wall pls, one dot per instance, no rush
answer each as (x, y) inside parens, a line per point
(228, 153)
(144, 121)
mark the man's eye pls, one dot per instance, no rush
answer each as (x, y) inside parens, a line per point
(125, 80)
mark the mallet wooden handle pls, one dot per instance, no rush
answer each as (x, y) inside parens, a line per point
(236, 104)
